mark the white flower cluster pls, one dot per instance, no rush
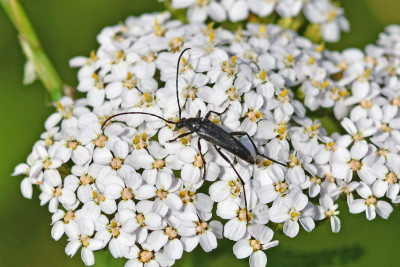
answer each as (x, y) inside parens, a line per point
(329, 16)
(127, 189)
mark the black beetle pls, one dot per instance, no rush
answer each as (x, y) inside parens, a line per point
(211, 133)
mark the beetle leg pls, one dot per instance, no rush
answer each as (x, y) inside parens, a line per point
(202, 158)
(216, 113)
(179, 136)
(198, 114)
(256, 149)
(240, 178)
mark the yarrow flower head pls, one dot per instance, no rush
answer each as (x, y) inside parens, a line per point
(324, 16)
(145, 188)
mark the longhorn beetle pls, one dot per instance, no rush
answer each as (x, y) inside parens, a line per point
(210, 132)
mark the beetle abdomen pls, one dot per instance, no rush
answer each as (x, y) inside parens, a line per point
(215, 135)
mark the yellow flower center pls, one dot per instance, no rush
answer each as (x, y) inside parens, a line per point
(101, 198)
(149, 57)
(312, 131)
(255, 244)
(261, 162)
(130, 81)
(146, 256)
(198, 162)
(187, 196)
(358, 137)
(331, 146)
(289, 60)
(355, 165)
(201, 227)
(58, 192)
(140, 141)
(329, 213)
(366, 104)
(232, 94)
(293, 161)
(396, 102)
(72, 144)
(383, 152)
(126, 194)
(85, 241)
(116, 163)
(115, 232)
(242, 215)
(263, 75)
(161, 194)
(86, 179)
(386, 128)
(281, 131)
(171, 233)
(315, 180)
(158, 30)
(281, 187)
(229, 67)
(140, 219)
(99, 84)
(175, 44)
(391, 178)
(158, 164)
(254, 115)
(371, 200)
(47, 163)
(49, 141)
(234, 187)
(69, 215)
(100, 141)
(190, 93)
(294, 214)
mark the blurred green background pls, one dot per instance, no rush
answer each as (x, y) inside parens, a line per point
(68, 29)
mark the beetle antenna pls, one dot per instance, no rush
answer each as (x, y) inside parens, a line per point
(177, 74)
(134, 112)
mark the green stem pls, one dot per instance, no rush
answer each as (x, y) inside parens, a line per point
(32, 48)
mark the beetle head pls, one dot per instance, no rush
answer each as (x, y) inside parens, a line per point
(180, 124)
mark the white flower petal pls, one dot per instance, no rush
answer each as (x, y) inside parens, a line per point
(87, 256)
(234, 229)
(335, 224)
(157, 239)
(384, 209)
(258, 259)
(291, 228)
(72, 247)
(278, 213)
(174, 249)
(80, 156)
(208, 241)
(370, 212)
(242, 249)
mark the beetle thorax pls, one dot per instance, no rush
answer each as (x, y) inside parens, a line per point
(190, 123)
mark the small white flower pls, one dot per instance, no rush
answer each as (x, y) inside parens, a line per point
(84, 238)
(345, 163)
(199, 231)
(328, 210)
(146, 257)
(118, 233)
(258, 239)
(370, 203)
(54, 193)
(294, 208)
